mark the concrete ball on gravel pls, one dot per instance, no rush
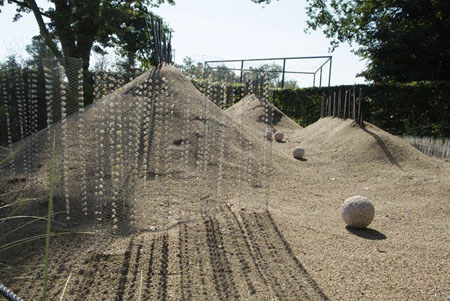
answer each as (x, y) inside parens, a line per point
(279, 136)
(357, 211)
(299, 152)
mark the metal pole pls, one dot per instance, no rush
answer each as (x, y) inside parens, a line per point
(242, 70)
(204, 70)
(329, 75)
(282, 77)
(314, 80)
(320, 82)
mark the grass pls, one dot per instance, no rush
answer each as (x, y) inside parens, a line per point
(49, 216)
(19, 205)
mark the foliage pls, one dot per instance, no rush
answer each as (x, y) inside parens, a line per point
(191, 69)
(419, 108)
(273, 71)
(77, 25)
(403, 40)
(194, 70)
(9, 69)
(133, 36)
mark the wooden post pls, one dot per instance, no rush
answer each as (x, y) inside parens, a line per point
(334, 105)
(322, 107)
(361, 103)
(339, 103)
(329, 105)
(354, 104)
(345, 105)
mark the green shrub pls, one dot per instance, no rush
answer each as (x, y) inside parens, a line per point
(417, 109)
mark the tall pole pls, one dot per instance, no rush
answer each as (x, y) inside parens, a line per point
(282, 77)
(314, 80)
(329, 75)
(204, 70)
(320, 82)
(242, 70)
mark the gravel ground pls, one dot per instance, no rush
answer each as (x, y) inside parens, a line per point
(299, 249)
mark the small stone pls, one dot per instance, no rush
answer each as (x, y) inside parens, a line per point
(298, 152)
(357, 211)
(278, 136)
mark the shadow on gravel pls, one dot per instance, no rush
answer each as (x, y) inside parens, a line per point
(287, 275)
(300, 267)
(229, 256)
(367, 233)
(383, 147)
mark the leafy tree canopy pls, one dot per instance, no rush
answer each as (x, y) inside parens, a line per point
(403, 40)
(78, 24)
(73, 28)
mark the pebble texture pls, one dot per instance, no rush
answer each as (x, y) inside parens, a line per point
(357, 211)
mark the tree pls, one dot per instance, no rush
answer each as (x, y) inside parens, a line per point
(273, 72)
(38, 50)
(191, 68)
(78, 24)
(403, 40)
(133, 37)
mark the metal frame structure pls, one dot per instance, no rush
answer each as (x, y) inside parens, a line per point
(329, 59)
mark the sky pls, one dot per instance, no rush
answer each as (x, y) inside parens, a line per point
(227, 29)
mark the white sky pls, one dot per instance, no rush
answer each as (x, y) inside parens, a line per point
(224, 29)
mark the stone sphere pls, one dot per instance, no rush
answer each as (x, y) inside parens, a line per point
(299, 152)
(279, 136)
(357, 211)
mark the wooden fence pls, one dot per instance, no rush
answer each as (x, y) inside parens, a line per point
(344, 104)
(435, 147)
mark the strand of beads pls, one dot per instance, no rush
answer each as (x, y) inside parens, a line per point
(115, 156)
(241, 149)
(185, 132)
(27, 101)
(267, 143)
(158, 138)
(64, 145)
(222, 129)
(49, 88)
(6, 101)
(33, 124)
(82, 143)
(19, 98)
(146, 132)
(137, 122)
(250, 175)
(206, 144)
(100, 157)
(164, 150)
(170, 133)
(18, 83)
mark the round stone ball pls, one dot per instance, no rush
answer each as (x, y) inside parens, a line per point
(357, 211)
(299, 152)
(278, 136)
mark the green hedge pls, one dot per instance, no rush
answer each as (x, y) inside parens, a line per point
(417, 109)
(420, 109)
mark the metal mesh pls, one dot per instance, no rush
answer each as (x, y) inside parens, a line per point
(148, 153)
